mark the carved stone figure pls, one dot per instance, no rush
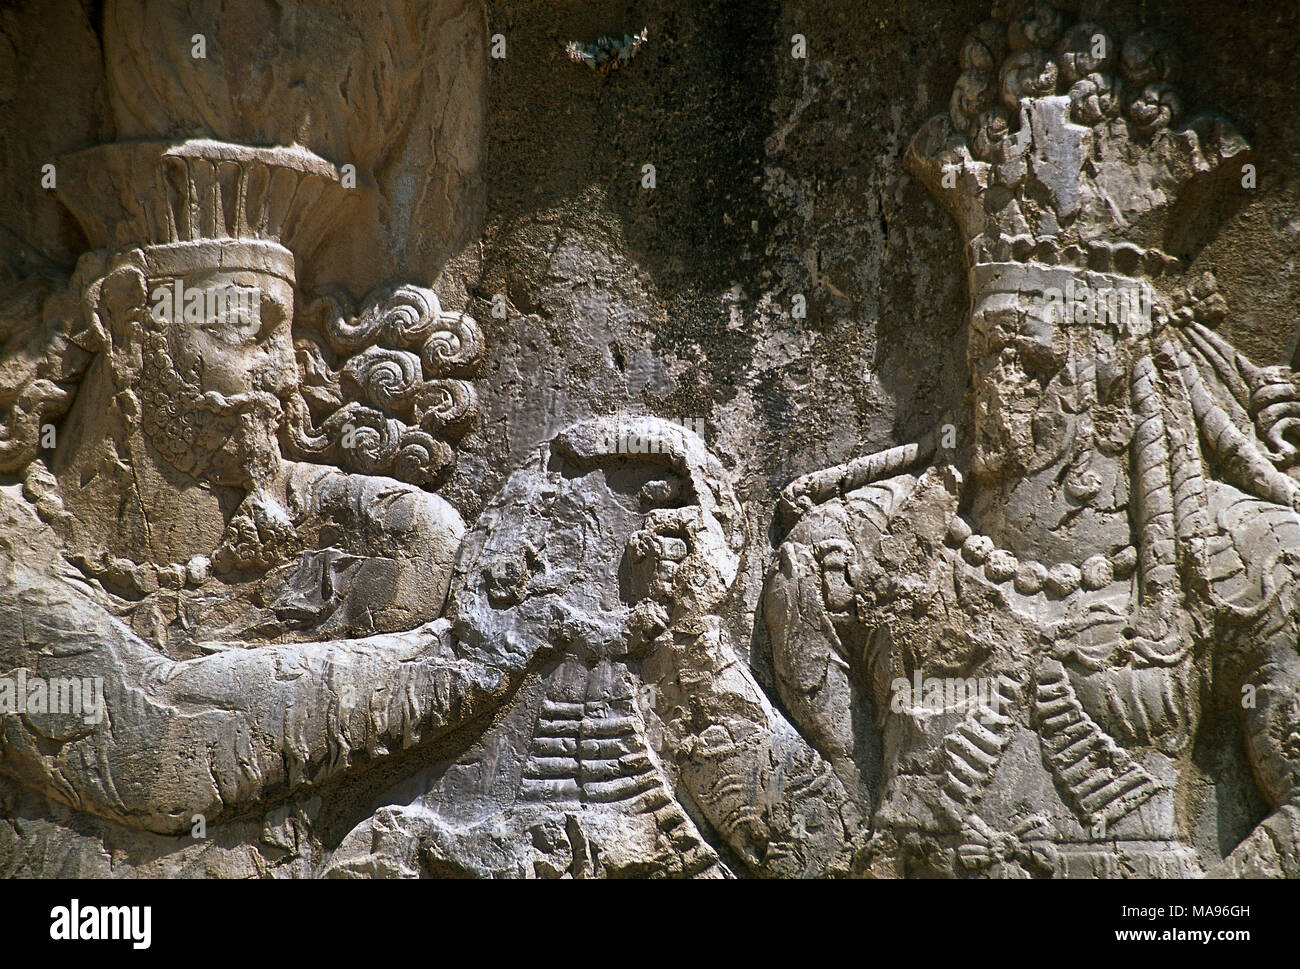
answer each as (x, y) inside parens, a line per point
(1120, 560)
(641, 726)
(239, 606)
(1056, 639)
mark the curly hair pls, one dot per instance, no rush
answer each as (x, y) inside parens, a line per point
(1029, 52)
(381, 391)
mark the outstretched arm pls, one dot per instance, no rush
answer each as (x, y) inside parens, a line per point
(211, 735)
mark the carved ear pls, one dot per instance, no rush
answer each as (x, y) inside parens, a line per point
(118, 304)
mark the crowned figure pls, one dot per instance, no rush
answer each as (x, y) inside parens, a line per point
(1119, 560)
(226, 512)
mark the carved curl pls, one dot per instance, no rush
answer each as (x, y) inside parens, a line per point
(1027, 55)
(380, 392)
(1096, 98)
(386, 378)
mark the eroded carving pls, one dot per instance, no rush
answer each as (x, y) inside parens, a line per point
(999, 666)
(1120, 557)
(643, 729)
(258, 622)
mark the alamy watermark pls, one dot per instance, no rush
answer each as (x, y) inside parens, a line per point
(75, 922)
(66, 696)
(1126, 308)
(635, 437)
(932, 695)
(220, 304)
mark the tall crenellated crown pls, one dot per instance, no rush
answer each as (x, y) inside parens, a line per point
(1065, 144)
(205, 203)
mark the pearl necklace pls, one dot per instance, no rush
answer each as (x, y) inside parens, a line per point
(1031, 577)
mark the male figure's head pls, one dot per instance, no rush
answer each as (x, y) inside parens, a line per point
(198, 355)
(194, 307)
(215, 359)
(1064, 160)
(185, 333)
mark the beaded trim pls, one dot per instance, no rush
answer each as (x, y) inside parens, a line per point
(1030, 577)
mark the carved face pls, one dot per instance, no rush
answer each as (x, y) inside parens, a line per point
(1015, 354)
(551, 561)
(218, 362)
(241, 343)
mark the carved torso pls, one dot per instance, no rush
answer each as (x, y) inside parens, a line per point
(1065, 759)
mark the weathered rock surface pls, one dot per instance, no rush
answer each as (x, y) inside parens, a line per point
(423, 455)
